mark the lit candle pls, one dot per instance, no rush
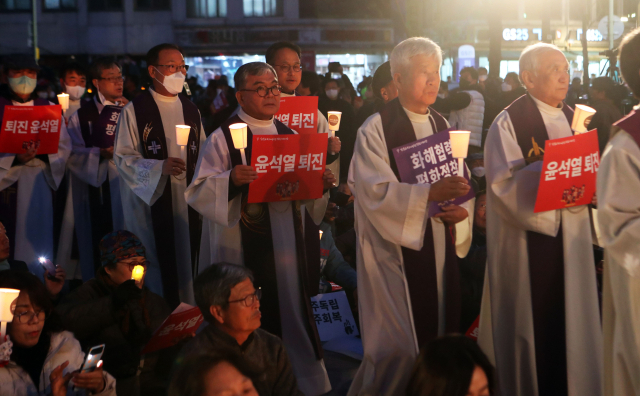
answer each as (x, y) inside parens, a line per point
(334, 123)
(7, 299)
(239, 136)
(581, 118)
(182, 138)
(63, 99)
(320, 234)
(459, 147)
(138, 273)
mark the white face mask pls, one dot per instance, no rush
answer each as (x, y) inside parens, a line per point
(75, 93)
(478, 171)
(332, 93)
(23, 85)
(506, 87)
(173, 83)
(483, 77)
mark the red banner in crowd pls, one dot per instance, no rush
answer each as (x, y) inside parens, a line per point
(24, 127)
(569, 172)
(290, 167)
(299, 113)
(183, 321)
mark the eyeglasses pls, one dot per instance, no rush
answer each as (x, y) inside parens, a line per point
(285, 68)
(134, 263)
(264, 91)
(175, 68)
(26, 317)
(113, 80)
(250, 299)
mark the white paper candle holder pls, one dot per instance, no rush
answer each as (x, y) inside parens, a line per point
(581, 118)
(459, 147)
(7, 299)
(239, 136)
(63, 99)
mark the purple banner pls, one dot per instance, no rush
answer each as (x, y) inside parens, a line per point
(428, 160)
(103, 132)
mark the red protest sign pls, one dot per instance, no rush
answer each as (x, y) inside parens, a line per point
(183, 320)
(299, 113)
(290, 167)
(472, 331)
(569, 172)
(24, 127)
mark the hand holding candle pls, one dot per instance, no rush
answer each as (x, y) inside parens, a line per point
(321, 234)
(581, 118)
(239, 136)
(459, 147)
(63, 99)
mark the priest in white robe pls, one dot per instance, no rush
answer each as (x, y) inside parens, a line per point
(268, 238)
(541, 300)
(97, 206)
(154, 175)
(28, 181)
(619, 221)
(408, 279)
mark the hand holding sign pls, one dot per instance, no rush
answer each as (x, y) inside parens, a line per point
(28, 156)
(452, 214)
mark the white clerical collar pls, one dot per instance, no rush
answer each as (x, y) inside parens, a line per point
(286, 95)
(417, 118)
(545, 108)
(254, 121)
(103, 101)
(162, 98)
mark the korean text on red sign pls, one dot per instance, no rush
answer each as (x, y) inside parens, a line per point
(25, 127)
(289, 167)
(569, 172)
(183, 320)
(299, 113)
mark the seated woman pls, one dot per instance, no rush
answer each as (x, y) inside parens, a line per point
(45, 358)
(115, 310)
(222, 373)
(452, 366)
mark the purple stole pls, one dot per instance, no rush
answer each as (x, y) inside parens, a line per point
(9, 196)
(152, 136)
(257, 247)
(99, 197)
(546, 261)
(631, 125)
(420, 266)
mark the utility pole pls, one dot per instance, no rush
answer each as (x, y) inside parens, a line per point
(34, 30)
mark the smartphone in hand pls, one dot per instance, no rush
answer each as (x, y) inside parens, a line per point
(92, 358)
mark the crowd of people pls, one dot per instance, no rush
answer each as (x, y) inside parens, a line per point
(120, 192)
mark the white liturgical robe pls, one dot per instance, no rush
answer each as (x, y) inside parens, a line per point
(88, 168)
(142, 183)
(208, 193)
(36, 181)
(506, 324)
(619, 220)
(390, 215)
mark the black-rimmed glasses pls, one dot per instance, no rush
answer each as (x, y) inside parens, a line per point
(175, 68)
(250, 299)
(264, 91)
(26, 317)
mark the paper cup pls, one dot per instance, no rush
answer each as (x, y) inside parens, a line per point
(459, 143)
(334, 120)
(7, 298)
(137, 273)
(581, 118)
(239, 135)
(63, 99)
(182, 134)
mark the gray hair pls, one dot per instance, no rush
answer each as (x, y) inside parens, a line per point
(529, 58)
(252, 69)
(403, 52)
(213, 286)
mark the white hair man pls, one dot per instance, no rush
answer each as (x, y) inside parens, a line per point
(264, 237)
(541, 321)
(403, 255)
